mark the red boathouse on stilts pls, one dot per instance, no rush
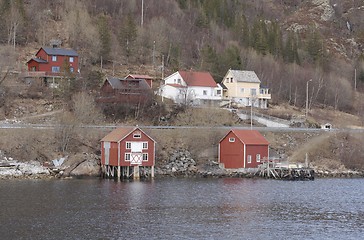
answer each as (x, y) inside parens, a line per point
(127, 152)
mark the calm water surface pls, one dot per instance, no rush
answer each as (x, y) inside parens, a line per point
(182, 209)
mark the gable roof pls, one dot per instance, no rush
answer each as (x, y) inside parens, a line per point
(59, 51)
(119, 134)
(222, 86)
(139, 76)
(116, 83)
(249, 137)
(198, 79)
(244, 76)
(38, 60)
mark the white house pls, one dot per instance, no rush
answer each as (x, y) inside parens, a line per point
(191, 88)
(244, 89)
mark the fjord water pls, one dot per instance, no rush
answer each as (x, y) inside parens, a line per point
(231, 208)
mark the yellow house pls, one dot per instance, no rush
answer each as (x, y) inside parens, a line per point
(243, 89)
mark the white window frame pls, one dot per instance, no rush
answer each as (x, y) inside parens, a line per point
(56, 69)
(128, 145)
(249, 158)
(54, 58)
(231, 139)
(145, 157)
(145, 145)
(253, 91)
(71, 60)
(204, 92)
(72, 69)
(127, 157)
(137, 135)
(258, 157)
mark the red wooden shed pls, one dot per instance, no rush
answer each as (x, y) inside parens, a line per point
(243, 149)
(127, 152)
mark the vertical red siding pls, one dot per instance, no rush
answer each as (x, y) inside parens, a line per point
(150, 150)
(253, 150)
(232, 153)
(120, 147)
(47, 67)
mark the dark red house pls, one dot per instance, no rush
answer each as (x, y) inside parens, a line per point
(243, 149)
(123, 90)
(51, 61)
(126, 152)
(147, 78)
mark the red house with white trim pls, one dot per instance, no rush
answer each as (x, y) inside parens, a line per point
(52, 60)
(126, 151)
(243, 149)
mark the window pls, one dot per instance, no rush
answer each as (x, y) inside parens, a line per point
(145, 156)
(258, 157)
(71, 60)
(231, 79)
(232, 139)
(253, 91)
(179, 81)
(128, 145)
(204, 92)
(137, 135)
(56, 69)
(72, 69)
(218, 92)
(127, 156)
(54, 58)
(242, 90)
(145, 145)
(249, 158)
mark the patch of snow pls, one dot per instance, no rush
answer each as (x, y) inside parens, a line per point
(324, 5)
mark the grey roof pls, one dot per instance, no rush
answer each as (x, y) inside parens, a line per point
(244, 76)
(223, 86)
(39, 60)
(60, 51)
(116, 83)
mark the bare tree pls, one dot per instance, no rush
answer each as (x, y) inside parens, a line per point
(85, 109)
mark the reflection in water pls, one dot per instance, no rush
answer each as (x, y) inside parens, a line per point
(182, 209)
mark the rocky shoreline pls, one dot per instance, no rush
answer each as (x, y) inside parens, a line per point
(179, 164)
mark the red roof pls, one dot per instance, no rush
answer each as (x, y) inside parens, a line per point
(118, 134)
(176, 85)
(198, 79)
(137, 76)
(250, 137)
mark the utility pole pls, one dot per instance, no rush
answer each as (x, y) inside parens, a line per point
(307, 97)
(355, 79)
(142, 20)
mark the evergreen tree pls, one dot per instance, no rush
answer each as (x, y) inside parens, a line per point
(241, 30)
(105, 38)
(259, 37)
(314, 46)
(209, 60)
(230, 59)
(275, 43)
(128, 35)
(290, 53)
